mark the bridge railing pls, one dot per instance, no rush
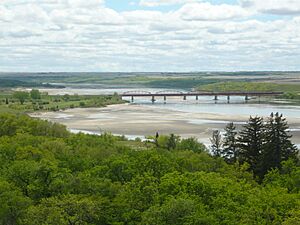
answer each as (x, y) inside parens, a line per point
(137, 93)
(169, 92)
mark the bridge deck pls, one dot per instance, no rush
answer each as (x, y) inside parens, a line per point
(201, 94)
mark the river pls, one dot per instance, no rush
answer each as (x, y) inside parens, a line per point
(182, 117)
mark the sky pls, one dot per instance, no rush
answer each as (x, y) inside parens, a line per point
(149, 35)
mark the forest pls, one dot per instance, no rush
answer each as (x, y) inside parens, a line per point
(51, 176)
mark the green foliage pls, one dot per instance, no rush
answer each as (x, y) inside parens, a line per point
(49, 176)
(291, 95)
(250, 86)
(13, 203)
(12, 124)
(251, 142)
(191, 144)
(288, 176)
(230, 148)
(20, 82)
(69, 209)
(35, 94)
(291, 91)
(34, 100)
(21, 96)
(172, 142)
(278, 146)
(216, 143)
(262, 145)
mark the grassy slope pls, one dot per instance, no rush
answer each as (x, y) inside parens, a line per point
(249, 86)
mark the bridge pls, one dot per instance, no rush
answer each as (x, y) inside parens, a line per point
(196, 94)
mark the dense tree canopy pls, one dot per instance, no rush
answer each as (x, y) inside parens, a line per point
(49, 176)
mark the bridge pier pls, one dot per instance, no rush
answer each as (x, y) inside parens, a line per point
(228, 99)
(165, 98)
(247, 98)
(153, 99)
(184, 97)
(197, 97)
(132, 99)
(216, 98)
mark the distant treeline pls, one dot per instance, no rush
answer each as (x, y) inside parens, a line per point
(12, 83)
(186, 80)
(182, 83)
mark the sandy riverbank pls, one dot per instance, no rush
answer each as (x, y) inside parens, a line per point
(141, 120)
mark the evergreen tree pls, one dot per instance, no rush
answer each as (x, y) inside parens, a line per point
(251, 143)
(216, 143)
(230, 149)
(156, 139)
(278, 146)
(172, 141)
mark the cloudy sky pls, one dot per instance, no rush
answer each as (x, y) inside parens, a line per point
(149, 35)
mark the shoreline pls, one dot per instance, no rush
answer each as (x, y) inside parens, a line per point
(141, 120)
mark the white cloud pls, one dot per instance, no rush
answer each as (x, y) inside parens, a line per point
(86, 3)
(64, 35)
(277, 7)
(139, 16)
(22, 33)
(154, 3)
(31, 13)
(79, 16)
(5, 14)
(207, 11)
